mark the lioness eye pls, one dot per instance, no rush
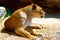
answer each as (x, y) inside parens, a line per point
(41, 16)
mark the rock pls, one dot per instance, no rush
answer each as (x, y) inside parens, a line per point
(2, 12)
(50, 3)
(49, 32)
(15, 4)
(51, 27)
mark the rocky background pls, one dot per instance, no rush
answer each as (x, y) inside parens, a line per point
(12, 5)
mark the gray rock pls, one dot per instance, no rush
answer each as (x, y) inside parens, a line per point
(2, 12)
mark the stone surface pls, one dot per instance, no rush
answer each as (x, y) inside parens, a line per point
(16, 4)
(49, 31)
(50, 3)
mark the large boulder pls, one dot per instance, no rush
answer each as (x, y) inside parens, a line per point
(16, 4)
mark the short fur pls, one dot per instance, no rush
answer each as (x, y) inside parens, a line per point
(15, 22)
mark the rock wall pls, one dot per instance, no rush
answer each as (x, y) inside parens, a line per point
(16, 4)
(50, 3)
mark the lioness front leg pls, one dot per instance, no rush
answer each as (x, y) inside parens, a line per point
(23, 32)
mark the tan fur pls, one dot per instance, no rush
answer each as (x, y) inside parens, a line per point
(14, 23)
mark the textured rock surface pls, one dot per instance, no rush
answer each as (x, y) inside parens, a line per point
(49, 32)
(50, 3)
(16, 4)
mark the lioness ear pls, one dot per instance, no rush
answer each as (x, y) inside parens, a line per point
(33, 6)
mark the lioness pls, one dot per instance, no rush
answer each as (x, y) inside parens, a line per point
(21, 19)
